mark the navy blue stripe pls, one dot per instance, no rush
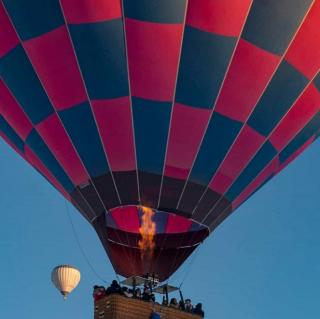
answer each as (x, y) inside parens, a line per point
(161, 220)
(163, 11)
(34, 17)
(151, 124)
(195, 227)
(305, 134)
(256, 165)
(204, 60)
(285, 87)
(10, 133)
(19, 76)
(39, 147)
(100, 50)
(80, 125)
(271, 24)
(110, 221)
(220, 135)
(316, 82)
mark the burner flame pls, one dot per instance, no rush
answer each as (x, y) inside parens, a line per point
(147, 232)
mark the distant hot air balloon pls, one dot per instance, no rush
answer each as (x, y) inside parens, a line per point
(184, 107)
(65, 278)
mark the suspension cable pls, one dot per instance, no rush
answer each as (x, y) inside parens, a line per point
(188, 268)
(84, 255)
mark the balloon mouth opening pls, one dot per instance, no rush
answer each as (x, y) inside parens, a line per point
(148, 230)
(132, 218)
(64, 294)
(149, 240)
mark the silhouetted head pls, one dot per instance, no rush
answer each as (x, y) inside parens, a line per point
(173, 301)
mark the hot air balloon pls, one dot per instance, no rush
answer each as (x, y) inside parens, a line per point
(65, 278)
(157, 119)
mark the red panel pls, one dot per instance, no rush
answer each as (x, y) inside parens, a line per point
(218, 16)
(60, 145)
(272, 168)
(88, 11)
(298, 116)
(304, 52)
(175, 172)
(248, 76)
(177, 224)
(220, 183)
(246, 145)
(296, 153)
(34, 161)
(115, 125)
(127, 218)
(8, 36)
(153, 53)
(12, 112)
(187, 128)
(52, 56)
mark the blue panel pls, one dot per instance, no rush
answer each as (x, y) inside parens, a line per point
(161, 220)
(110, 221)
(303, 136)
(81, 127)
(220, 134)
(164, 11)
(316, 82)
(256, 165)
(283, 90)
(19, 76)
(34, 17)
(271, 24)
(195, 227)
(11, 134)
(204, 60)
(151, 123)
(39, 147)
(100, 49)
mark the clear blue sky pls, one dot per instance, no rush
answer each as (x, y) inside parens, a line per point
(262, 262)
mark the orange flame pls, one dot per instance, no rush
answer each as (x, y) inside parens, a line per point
(147, 232)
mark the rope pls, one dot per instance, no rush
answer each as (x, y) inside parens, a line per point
(80, 246)
(118, 278)
(188, 268)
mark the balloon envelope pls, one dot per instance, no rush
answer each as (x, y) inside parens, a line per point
(65, 278)
(186, 107)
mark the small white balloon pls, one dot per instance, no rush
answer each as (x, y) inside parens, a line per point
(65, 278)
